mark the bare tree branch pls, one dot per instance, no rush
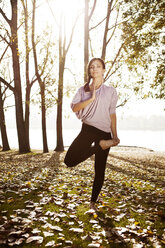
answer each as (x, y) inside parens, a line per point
(10, 106)
(3, 38)
(5, 17)
(93, 8)
(7, 84)
(115, 25)
(73, 74)
(46, 59)
(107, 77)
(4, 53)
(64, 34)
(4, 95)
(71, 36)
(123, 103)
(114, 61)
(90, 43)
(5, 89)
(32, 82)
(52, 13)
(97, 24)
(114, 6)
(106, 30)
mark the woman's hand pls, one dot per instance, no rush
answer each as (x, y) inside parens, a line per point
(93, 91)
(116, 141)
(105, 144)
(81, 105)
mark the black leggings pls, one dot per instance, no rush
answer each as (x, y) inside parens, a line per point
(82, 148)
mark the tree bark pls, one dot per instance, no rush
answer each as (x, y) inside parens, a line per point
(63, 50)
(104, 46)
(60, 145)
(43, 111)
(5, 143)
(28, 86)
(86, 39)
(27, 114)
(22, 139)
(62, 56)
(41, 84)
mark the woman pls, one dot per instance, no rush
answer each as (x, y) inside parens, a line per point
(95, 105)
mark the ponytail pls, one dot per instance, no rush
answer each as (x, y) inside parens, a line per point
(86, 86)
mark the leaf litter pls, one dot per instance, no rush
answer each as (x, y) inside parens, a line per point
(44, 203)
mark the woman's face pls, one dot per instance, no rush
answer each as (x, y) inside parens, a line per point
(96, 69)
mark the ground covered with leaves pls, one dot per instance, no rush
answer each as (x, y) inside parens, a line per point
(45, 204)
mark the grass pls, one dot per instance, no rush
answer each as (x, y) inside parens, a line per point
(127, 200)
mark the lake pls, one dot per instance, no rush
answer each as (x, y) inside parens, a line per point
(154, 140)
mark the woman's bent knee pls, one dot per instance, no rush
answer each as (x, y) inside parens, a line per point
(69, 162)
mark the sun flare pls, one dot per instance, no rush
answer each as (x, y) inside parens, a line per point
(69, 10)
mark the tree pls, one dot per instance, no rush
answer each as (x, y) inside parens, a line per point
(143, 33)
(5, 143)
(87, 18)
(109, 32)
(112, 6)
(17, 89)
(29, 83)
(3, 89)
(106, 41)
(40, 81)
(63, 50)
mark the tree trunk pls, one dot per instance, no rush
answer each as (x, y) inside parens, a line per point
(104, 46)
(86, 39)
(28, 87)
(60, 145)
(27, 114)
(5, 143)
(41, 83)
(63, 50)
(22, 140)
(43, 110)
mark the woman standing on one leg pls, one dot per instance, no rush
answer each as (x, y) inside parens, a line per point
(95, 105)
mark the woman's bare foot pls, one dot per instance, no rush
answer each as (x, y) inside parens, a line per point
(105, 144)
(92, 206)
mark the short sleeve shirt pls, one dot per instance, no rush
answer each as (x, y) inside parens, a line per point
(98, 112)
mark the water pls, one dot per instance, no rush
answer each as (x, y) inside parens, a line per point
(154, 140)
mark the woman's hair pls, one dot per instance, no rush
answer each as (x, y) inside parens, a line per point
(86, 86)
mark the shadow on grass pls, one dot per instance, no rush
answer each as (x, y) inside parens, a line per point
(54, 161)
(143, 176)
(113, 237)
(149, 174)
(147, 164)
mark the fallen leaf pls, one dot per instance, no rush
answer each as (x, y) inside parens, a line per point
(87, 238)
(48, 234)
(90, 211)
(50, 226)
(93, 221)
(39, 239)
(50, 244)
(77, 230)
(35, 231)
(94, 245)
